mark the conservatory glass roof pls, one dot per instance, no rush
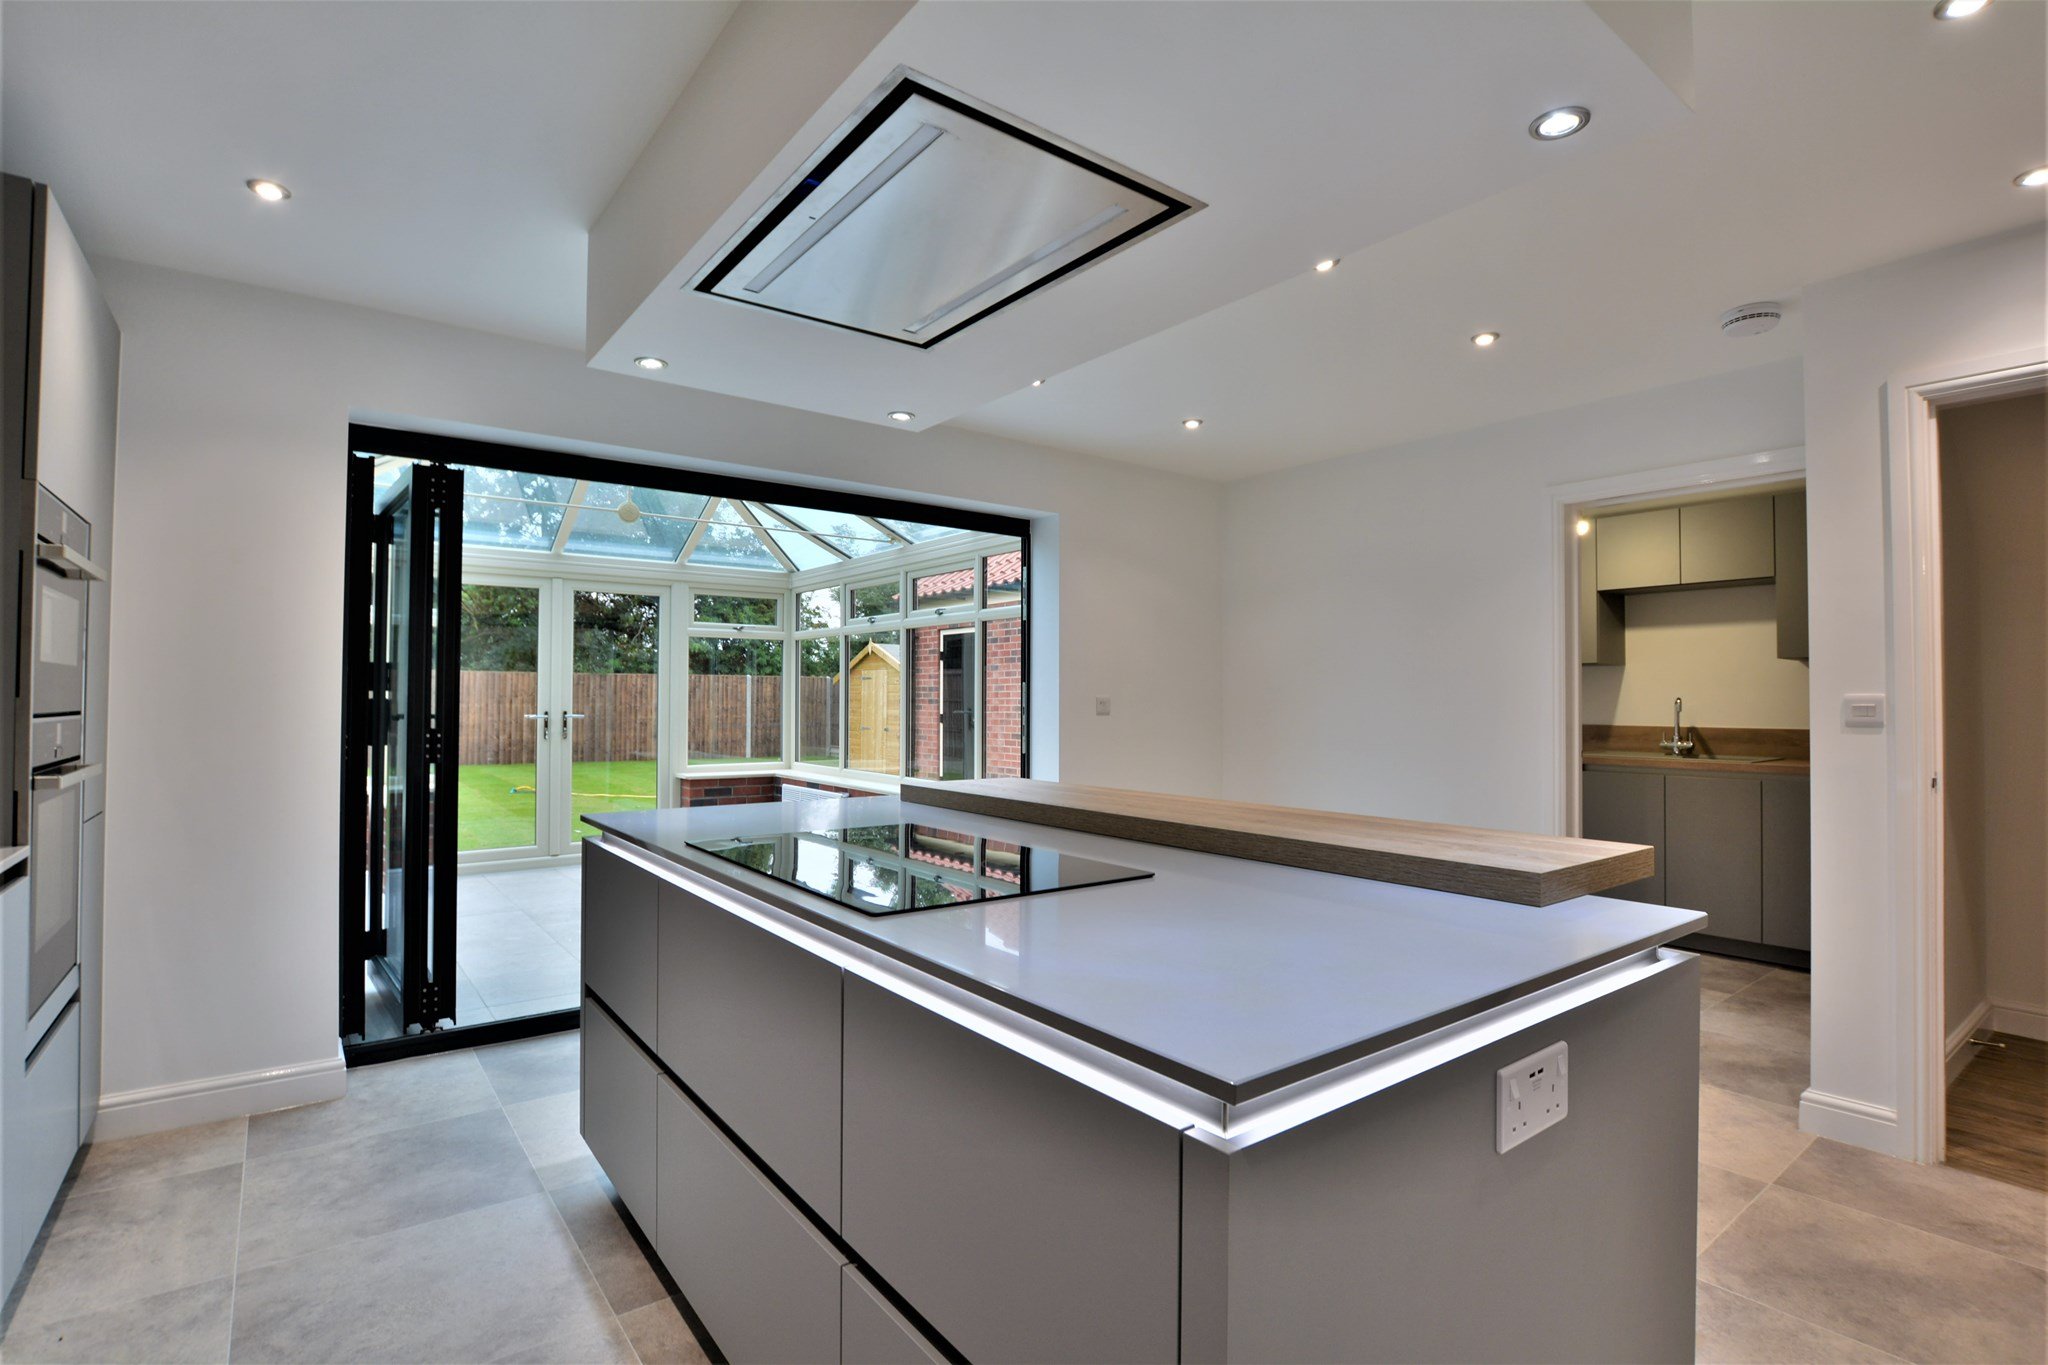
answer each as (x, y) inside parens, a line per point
(550, 515)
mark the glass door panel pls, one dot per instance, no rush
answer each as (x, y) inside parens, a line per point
(612, 724)
(503, 717)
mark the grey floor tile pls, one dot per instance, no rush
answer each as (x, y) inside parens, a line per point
(1748, 1067)
(546, 1004)
(550, 1129)
(177, 1326)
(1728, 974)
(1723, 1196)
(1766, 1012)
(533, 1068)
(661, 1337)
(132, 1241)
(623, 1267)
(1733, 1330)
(380, 1099)
(153, 1156)
(1919, 1296)
(501, 1283)
(1969, 1208)
(1749, 1136)
(299, 1201)
(550, 975)
(555, 1174)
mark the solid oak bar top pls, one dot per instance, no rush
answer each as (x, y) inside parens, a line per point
(1526, 869)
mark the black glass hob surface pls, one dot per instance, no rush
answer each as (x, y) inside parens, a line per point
(896, 868)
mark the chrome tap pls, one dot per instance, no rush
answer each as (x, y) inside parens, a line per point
(1678, 744)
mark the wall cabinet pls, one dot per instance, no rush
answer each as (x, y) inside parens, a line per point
(1789, 528)
(752, 1025)
(1734, 845)
(1727, 541)
(1602, 639)
(1637, 550)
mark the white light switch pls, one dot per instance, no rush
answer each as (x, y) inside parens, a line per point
(1532, 1095)
(1102, 706)
(1863, 711)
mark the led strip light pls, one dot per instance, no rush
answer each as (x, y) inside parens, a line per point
(1217, 1123)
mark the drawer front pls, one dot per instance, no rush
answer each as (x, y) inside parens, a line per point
(618, 936)
(1026, 1217)
(43, 1137)
(1713, 827)
(751, 1024)
(618, 1111)
(872, 1332)
(764, 1281)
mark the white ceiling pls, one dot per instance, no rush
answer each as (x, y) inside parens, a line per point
(447, 161)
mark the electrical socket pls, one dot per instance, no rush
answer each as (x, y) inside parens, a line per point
(1533, 1094)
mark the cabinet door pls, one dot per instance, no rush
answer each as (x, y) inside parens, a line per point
(1726, 541)
(618, 1111)
(618, 936)
(1788, 863)
(1627, 807)
(1637, 550)
(1026, 1217)
(751, 1024)
(765, 1282)
(1713, 828)
(872, 1332)
(1789, 524)
(1600, 621)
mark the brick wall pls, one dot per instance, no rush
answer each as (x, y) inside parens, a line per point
(926, 739)
(749, 790)
(1002, 703)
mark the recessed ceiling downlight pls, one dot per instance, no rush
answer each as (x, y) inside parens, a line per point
(650, 362)
(269, 191)
(901, 416)
(1484, 339)
(1557, 123)
(1959, 9)
(1191, 423)
(1751, 319)
(2032, 180)
(1325, 266)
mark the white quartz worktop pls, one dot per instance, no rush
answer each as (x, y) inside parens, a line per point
(1233, 977)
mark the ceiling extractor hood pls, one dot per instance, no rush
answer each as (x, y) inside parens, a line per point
(928, 211)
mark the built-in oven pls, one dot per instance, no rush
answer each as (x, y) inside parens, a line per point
(58, 771)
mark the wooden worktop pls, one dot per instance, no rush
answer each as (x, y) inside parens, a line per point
(1527, 869)
(1635, 746)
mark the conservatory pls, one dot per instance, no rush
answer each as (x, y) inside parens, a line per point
(621, 644)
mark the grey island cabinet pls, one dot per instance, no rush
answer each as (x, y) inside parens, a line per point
(1226, 1111)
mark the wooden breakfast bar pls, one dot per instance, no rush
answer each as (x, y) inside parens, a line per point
(1020, 1071)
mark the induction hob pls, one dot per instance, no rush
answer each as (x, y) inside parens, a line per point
(895, 868)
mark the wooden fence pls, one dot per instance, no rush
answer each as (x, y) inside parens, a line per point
(730, 716)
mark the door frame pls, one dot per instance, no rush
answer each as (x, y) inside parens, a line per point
(1913, 569)
(1564, 504)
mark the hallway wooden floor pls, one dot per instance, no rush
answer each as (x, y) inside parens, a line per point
(1998, 1113)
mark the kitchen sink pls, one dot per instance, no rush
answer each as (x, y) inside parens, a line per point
(1601, 755)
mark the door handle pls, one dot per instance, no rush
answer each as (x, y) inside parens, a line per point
(568, 716)
(542, 717)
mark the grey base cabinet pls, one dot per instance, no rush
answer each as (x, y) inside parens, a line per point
(872, 1332)
(1628, 807)
(1713, 839)
(617, 1099)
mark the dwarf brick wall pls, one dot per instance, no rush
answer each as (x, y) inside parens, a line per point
(1002, 699)
(926, 739)
(748, 790)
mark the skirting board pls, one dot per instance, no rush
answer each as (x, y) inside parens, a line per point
(156, 1109)
(2019, 1021)
(1959, 1054)
(1852, 1121)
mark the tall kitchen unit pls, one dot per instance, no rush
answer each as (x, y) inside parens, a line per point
(59, 383)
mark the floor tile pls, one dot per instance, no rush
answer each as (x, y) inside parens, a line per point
(179, 1325)
(1766, 1012)
(533, 1068)
(1723, 1196)
(550, 1129)
(555, 1174)
(156, 1155)
(380, 1099)
(1733, 1330)
(501, 1283)
(546, 1004)
(1727, 974)
(129, 1242)
(624, 1270)
(1909, 1292)
(661, 1337)
(299, 1201)
(1969, 1208)
(1749, 1136)
(1747, 1067)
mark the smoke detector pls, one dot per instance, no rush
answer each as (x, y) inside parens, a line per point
(1751, 319)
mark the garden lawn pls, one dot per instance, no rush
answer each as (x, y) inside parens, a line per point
(495, 801)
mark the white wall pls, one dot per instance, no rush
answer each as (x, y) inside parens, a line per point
(226, 654)
(1716, 647)
(1939, 312)
(1389, 615)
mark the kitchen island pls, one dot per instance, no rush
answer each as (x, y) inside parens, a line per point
(1216, 1110)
